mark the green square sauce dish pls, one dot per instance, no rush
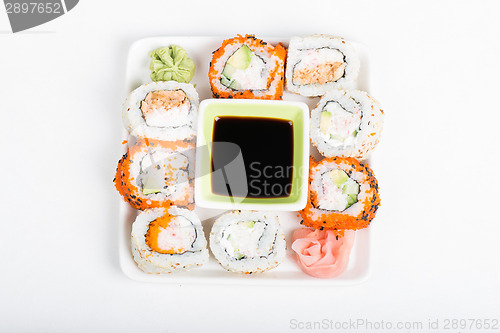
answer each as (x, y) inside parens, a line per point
(252, 155)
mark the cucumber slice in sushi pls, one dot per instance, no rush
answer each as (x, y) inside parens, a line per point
(243, 70)
(247, 67)
(156, 173)
(344, 195)
(248, 241)
(346, 123)
(239, 60)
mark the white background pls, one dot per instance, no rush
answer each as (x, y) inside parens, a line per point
(435, 68)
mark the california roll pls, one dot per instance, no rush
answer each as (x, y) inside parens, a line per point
(346, 123)
(319, 63)
(167, 240)
(248, 241)
(162, 110)
(343, 194)
(247, 67)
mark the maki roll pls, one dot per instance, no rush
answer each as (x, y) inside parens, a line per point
(167, 240)
(248, 241)
(343, 194)
(156, 174)
(247, 67)
(319, 63)
(162, 110)
(346, 123)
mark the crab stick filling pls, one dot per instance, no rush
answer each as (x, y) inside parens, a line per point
(170, 235)
(340, 124)
(319, 66)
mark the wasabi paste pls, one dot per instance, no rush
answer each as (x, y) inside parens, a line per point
(171, 64)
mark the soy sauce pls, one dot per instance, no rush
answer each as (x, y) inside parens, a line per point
(266, 145)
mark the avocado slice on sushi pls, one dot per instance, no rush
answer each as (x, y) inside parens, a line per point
(338, 177)
(146, 190)
(240, 60)
(337, 137)
(152, 185)
(250, 224)
(154, 181)
(324, 121)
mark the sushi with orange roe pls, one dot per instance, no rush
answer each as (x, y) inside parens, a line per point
(249, 68)
(154, 174)
(343, 194)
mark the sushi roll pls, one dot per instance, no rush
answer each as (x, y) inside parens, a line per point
(343, 194)
(167, 240)
(155, 174)
(248, 241)
(346, 123)
(319, 63)
(247, 67)
(162, 111)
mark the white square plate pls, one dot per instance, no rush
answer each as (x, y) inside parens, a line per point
(288, 273)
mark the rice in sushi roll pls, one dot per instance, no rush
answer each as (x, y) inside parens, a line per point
(343, 194)
(167, 240)
(248, 241)
(165, 110)
(346, 123)
(247, 67)
(319, 63)
(156, 174)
